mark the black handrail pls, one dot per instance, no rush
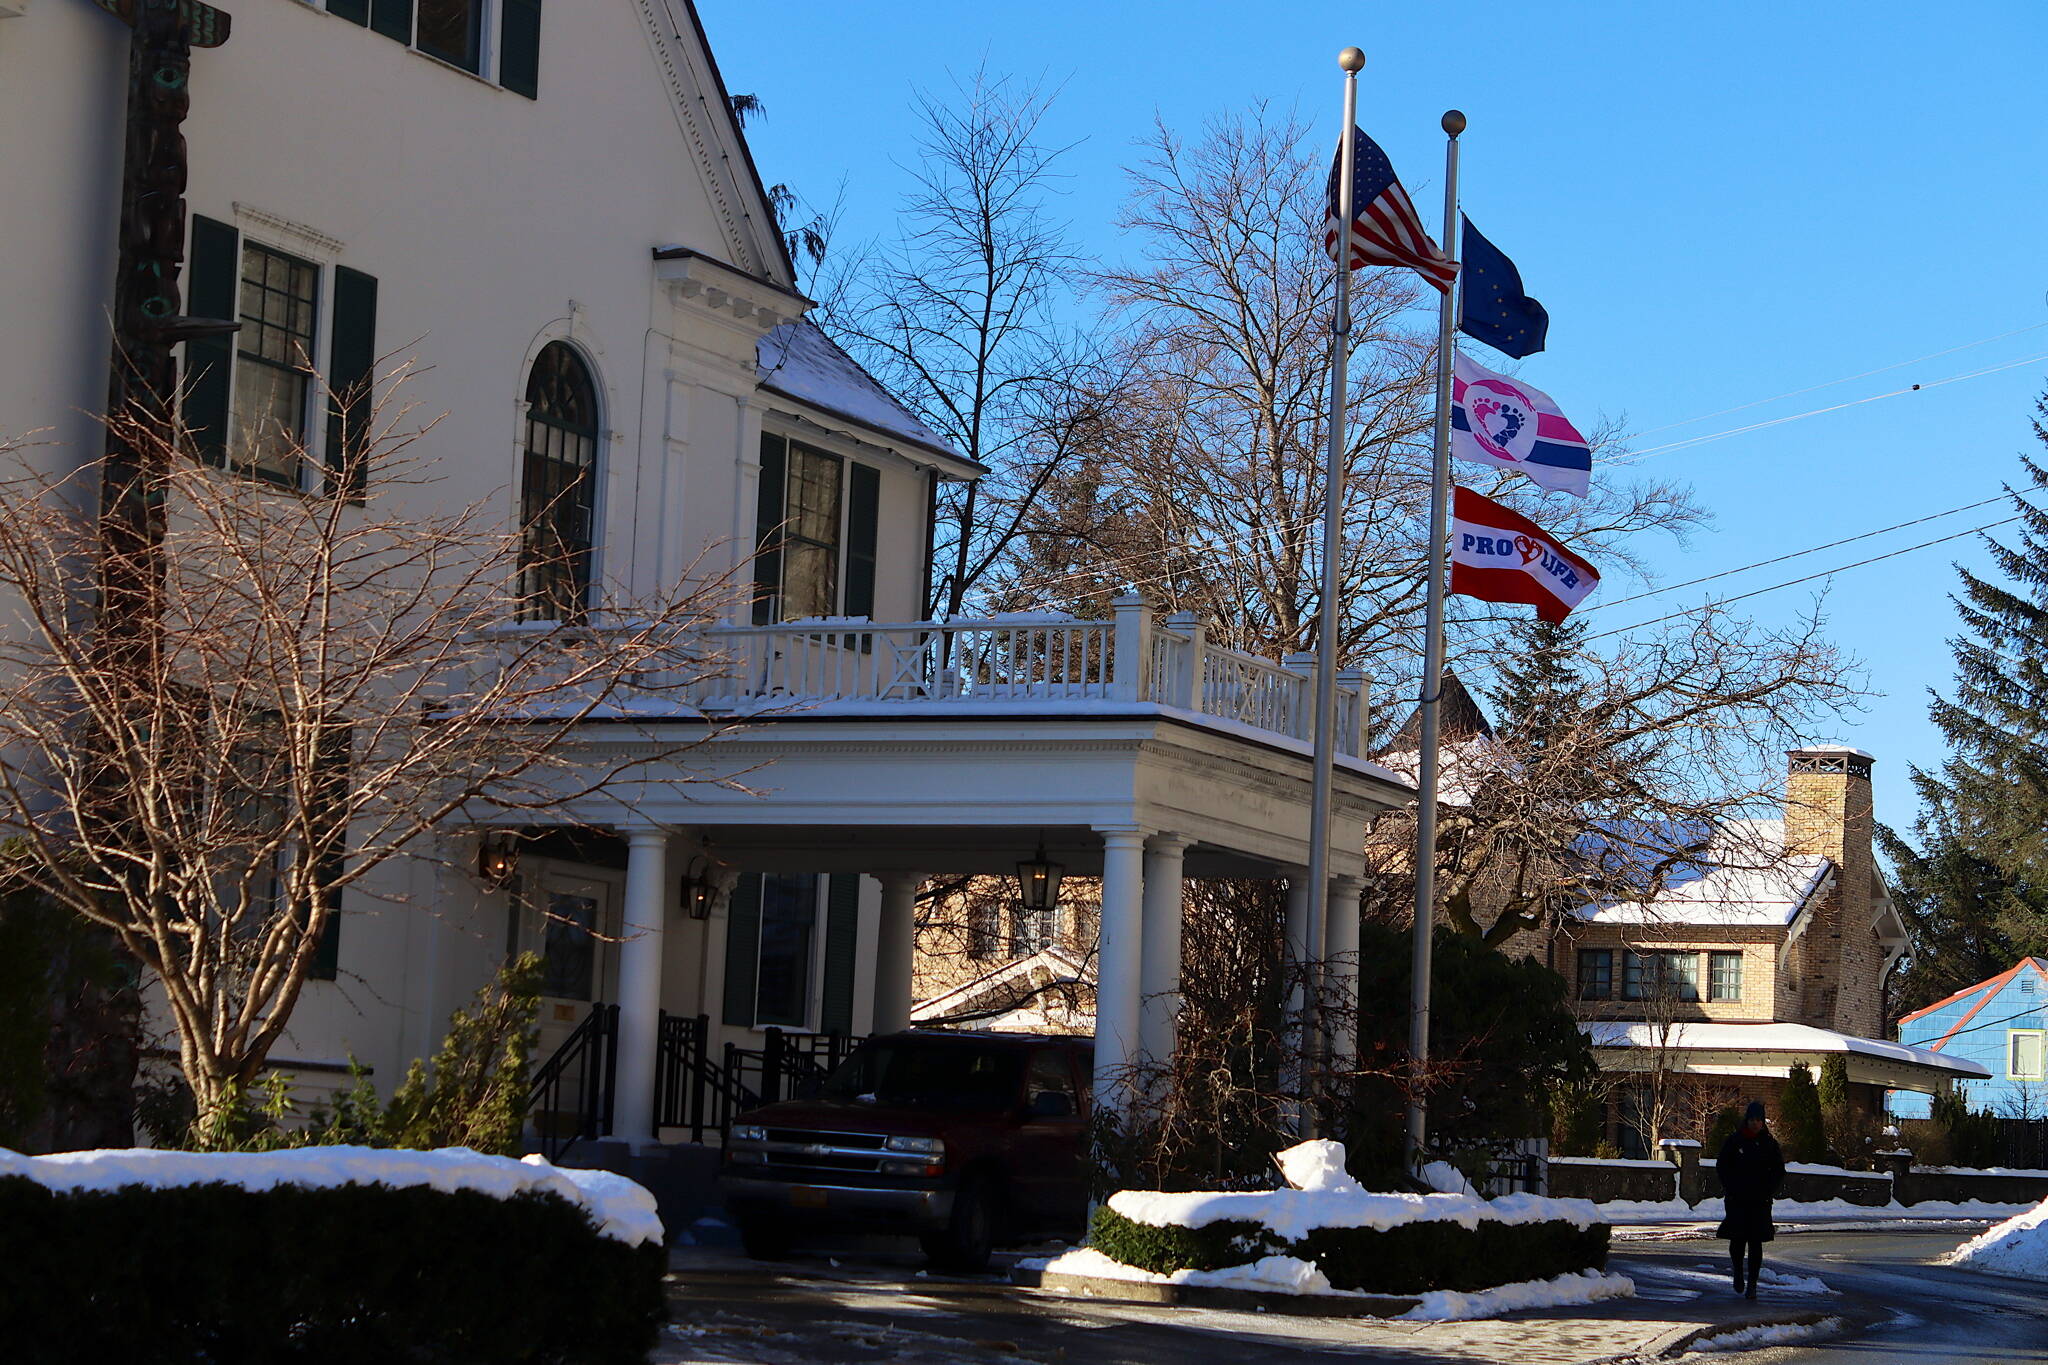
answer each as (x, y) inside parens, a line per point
(570, 1098)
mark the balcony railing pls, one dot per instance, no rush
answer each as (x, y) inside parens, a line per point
(1026, 658)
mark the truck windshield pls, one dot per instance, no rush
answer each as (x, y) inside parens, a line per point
(928, 1076)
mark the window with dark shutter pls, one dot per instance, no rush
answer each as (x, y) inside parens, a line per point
(351, 355)
(558, 487)
(842, 944)
(863, 529)
(393, 19)
(355, 11)
(768, 516)
(742, 950)
(519, 47)
(214, 255)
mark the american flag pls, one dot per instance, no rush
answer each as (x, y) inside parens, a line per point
(1384, 228)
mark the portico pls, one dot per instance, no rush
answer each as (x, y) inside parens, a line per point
(1116, 783)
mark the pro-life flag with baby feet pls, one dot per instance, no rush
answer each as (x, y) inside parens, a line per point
(1502, 556)
(1507, 424)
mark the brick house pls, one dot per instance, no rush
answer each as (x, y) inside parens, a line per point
(1771, 952)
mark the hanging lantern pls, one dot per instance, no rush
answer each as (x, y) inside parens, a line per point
(1038, 881)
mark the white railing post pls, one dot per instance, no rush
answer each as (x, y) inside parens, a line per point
(1133, 648)
(1184, 688)
(1351, 685)
(1300, 724)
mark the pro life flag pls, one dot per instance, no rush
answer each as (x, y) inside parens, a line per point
(1384, 227)
(1501, 422)
(1502, 556)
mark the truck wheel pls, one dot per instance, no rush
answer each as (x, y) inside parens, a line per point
(764, 1239)
(970, 1237)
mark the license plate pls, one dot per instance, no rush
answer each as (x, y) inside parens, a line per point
(804, 1197)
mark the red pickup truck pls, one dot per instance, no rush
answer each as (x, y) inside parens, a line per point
(966, 1140)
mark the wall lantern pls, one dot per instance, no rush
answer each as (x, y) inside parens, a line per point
(1039, 881)
(697, 889)
(497, 857)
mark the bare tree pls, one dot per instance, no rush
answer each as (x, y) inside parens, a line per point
(302, 688)
(960, 316)
(1626, 766)
(1204, 483)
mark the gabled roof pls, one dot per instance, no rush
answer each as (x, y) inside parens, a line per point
(1770, 1037)
(798, 361)
(764, 232)
(1745, 877)
(1991, 986)
(1006, 984)
(1458, 717)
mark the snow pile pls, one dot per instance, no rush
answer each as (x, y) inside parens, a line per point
(619, 1208)
(1632, 1211)
(2018, 1246)
(1291, 1275)
(1561, 1291)
(1766, 1334)
(1317, 1165)
(1445, 1178)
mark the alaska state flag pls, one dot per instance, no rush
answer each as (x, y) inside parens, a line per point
(1507, 424)
(1493, 307)
(1502, 556)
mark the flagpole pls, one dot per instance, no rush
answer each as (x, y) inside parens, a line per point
(1330, 617)
(1433, 670)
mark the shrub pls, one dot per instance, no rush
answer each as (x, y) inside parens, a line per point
(1726, 1120)
(207, 1273)
(1973, 1138)
(1409, 1258)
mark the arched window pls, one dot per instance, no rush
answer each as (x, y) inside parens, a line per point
(558, 487)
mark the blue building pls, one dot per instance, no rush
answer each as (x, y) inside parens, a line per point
(2001, 1023)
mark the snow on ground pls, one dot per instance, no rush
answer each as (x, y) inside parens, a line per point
(620, 1209)
(1290, 1275)
(1625, 1211)
(1768, 1277)
(1769, 1334)
(2018, 1246)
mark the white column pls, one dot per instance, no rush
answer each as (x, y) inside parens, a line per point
(1118, 962)
(1340, 973)
(895, 943)
(640, 953)
(1159, 958)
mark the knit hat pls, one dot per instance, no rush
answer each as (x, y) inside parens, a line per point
(1755, 1111)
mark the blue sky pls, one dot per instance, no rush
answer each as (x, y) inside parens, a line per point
(1717, 205)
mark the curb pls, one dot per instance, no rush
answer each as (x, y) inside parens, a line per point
(1208, 1296)
(1680, 1339)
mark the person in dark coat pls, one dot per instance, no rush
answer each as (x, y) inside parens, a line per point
(1752, 1168)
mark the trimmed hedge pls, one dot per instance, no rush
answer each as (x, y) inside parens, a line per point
(213, 1273)
(1409, 1258)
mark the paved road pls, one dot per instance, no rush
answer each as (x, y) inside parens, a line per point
(859, 1306)
(1935, 1315)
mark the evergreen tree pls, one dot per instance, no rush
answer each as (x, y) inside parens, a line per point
(1538, 686)
(1974, 891)
(1799, 1125)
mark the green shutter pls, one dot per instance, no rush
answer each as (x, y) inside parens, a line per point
(355, 11)
(768, 515)
(328, 819)
(742, 949)
(863, 517)
(327, 953)
(393, 19)
(519, 47)
(351, 356)
(213, 257)
(842, 947)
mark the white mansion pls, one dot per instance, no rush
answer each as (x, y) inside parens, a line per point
(552, 206)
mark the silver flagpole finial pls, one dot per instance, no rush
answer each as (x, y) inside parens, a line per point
(1454, 121)
(1352, 60)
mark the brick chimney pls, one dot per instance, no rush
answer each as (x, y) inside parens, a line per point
(1841, 963)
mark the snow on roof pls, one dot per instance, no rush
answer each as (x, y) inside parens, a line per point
(799, 361)
(1748, 878)
(1772, 1038)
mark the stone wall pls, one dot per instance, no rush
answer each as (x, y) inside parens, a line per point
(1604, 1181)
(1573, 1177)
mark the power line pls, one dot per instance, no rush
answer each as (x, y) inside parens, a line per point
(1795, 582)
(1638, 456)
(1845, 379)
(1811, 549)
